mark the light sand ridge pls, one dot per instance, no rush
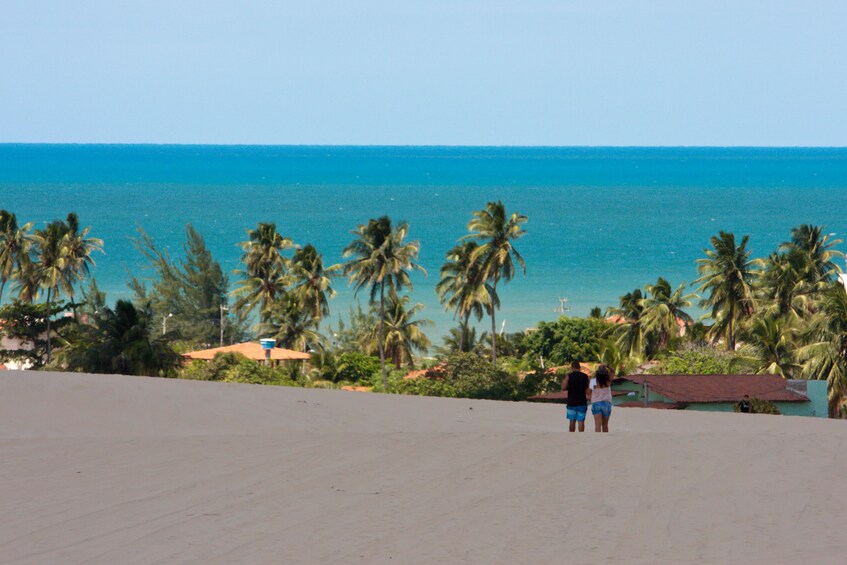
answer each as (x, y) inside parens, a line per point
(105, 469)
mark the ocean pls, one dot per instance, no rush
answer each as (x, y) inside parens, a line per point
(602, 221)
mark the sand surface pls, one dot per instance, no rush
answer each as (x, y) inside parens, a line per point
(115, 470)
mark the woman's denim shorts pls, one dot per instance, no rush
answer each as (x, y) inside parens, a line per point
(604, 408)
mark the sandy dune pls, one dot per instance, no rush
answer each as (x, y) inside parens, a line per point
(114, 470)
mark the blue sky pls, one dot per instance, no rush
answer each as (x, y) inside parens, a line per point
(454, 72)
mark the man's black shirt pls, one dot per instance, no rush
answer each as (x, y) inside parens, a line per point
(577, 385)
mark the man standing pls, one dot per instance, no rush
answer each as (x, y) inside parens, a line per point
(576, 385)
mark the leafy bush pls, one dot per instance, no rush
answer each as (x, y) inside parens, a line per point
(214, 370)
(566, 339)
(697, 361)
(253, 372)
(463, 375)
(236, 368)
(421, 386)
(540, 382)
(27, 324)
(758, 407)
(355, 367)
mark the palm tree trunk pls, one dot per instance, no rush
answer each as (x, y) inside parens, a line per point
(2, 286)
(49, 315)
(493, 328)
(835, 405)
(730, 335)
(464, 341)
(381, 336)
(73, 302)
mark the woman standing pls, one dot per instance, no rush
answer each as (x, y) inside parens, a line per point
(601, 399)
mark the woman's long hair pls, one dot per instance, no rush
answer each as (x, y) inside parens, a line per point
(602, 376)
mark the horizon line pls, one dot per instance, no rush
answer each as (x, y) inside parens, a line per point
(407, 145)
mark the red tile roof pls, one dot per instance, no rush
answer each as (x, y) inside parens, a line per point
(652, 404)
(251, 350)
(719, 388)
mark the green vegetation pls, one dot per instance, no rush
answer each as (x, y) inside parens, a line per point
(236, 368)
(727, 274)
(463, 375)
(120, 341)
(495, 256)
(26, 323)
(15, 243)
(355, 368)
(784, 314)
(566, 339)
(263, 278)
(758, 407)
(699, 361)
(463, 290)
(381, 261)
(188, 296)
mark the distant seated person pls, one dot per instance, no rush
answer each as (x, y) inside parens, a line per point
(576, 385)
(744, 405)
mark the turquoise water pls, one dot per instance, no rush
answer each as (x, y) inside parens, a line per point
(602, 221)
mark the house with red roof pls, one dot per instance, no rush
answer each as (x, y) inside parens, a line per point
(711, 393)
(720, 393)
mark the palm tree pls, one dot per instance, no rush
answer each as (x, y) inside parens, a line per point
(77, 249)
(497, 256)
(825, 355)
(264, 276)
(818, 250)
(403, 333)
(28, 283)
(15, 243)
(462, 288)
(292, 325)
(631, 336)
(312, 280)
(52, 266)
(613, 357)
(663, 310)
(782, 288)
(461, 339)
(770, 348)
(727, 274)
(381, 261)
(121, 341)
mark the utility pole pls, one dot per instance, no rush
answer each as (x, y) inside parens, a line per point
(563, 306)
(223, 309)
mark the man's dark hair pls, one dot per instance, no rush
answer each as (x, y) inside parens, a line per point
(575, 365)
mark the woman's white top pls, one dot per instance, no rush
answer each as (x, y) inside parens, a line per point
(601, 394)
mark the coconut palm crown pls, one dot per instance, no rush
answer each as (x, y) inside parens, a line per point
(496, 254)
(462, 288)
(264, 277)
(15, 243)
(312, 281)
(381, 260)
(727, 274)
